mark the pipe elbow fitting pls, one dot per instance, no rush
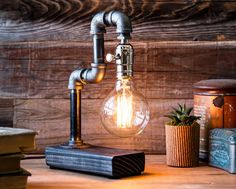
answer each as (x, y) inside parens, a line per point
(95, 74)
(120, 20)
(113, 18)
(75, 76)
(97, 25)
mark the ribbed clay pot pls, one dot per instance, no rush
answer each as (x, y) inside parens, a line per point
(182, 145)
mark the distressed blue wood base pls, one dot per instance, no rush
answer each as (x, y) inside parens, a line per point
(110, 162)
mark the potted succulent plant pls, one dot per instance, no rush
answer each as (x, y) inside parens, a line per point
(182, 138)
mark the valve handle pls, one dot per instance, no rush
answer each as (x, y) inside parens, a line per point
(110, 57)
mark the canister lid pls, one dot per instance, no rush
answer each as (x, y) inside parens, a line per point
(216, 86)
(226, 134)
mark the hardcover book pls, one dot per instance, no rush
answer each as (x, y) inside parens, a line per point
(15, 180)
(10, 163)
(15, 140)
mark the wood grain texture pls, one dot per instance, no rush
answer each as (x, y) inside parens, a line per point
(164, 73)
(6, 112)
(157, 175)
(40, 20)
(161, 70)
(51, 119)
(41, 70)
(109, 162)
(177, 43)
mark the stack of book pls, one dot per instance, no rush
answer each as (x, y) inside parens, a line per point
(13, 142)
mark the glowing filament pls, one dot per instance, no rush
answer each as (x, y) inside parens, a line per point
(124, 110)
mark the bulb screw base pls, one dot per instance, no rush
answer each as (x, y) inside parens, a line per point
(125, 61)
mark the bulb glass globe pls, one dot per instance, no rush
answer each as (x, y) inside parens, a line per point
(125, 111)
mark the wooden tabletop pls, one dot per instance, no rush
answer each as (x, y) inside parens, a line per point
(157, 175)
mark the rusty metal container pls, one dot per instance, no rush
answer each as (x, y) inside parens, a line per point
(215, 102)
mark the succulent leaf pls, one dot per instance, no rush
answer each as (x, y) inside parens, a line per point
(181, 116)
(189, 110)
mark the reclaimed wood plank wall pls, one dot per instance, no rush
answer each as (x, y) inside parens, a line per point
(177, 43)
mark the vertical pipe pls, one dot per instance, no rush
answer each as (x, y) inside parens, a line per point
(75, 115)
(78, 99)
(98, 49)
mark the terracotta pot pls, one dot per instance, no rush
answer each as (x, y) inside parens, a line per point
(182, 145)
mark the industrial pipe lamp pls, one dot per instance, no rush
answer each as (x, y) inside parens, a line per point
(124, 113)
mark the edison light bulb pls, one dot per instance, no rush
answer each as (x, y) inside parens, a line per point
(125, 111)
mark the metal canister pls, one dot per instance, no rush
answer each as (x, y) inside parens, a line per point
(215, 102)
(222, 149)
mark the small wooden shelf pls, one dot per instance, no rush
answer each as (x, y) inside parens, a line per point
(157, 175)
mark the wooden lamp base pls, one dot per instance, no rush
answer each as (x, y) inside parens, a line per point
(110, 162)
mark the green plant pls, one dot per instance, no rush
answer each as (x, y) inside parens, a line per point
(181, 116)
